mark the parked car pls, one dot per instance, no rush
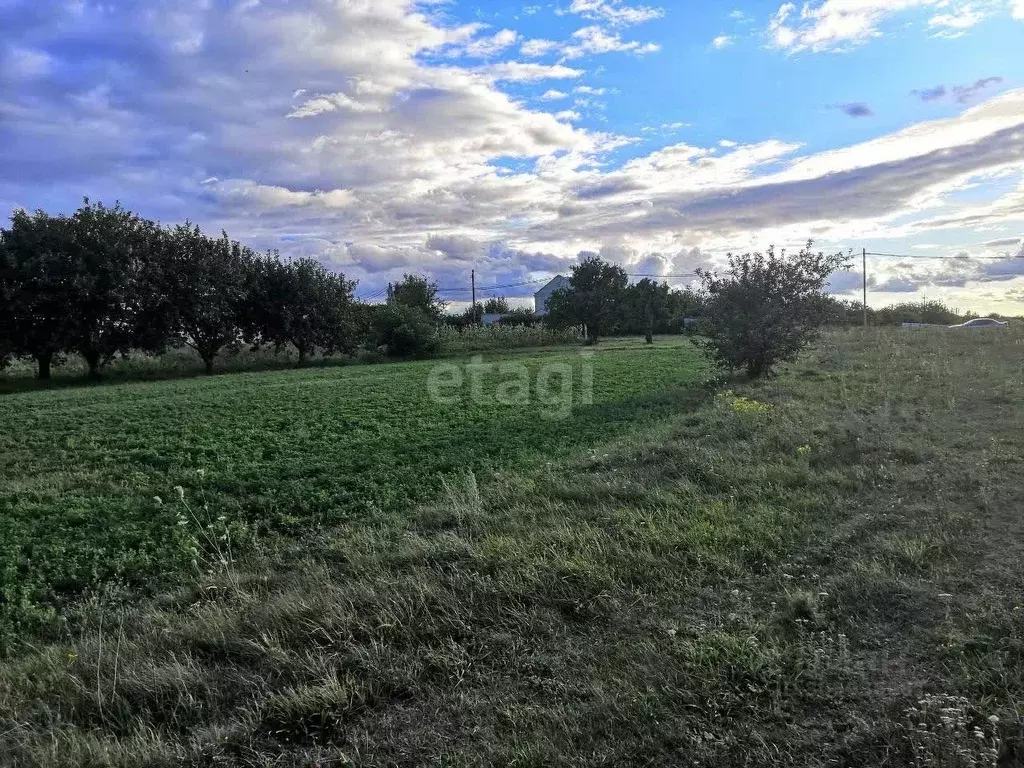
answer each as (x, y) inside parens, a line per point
(982, 322)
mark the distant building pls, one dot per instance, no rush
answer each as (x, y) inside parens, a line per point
(540, 298)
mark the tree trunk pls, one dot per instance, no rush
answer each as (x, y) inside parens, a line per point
(302, 354)
(649, 336)
(208, 363)
(44, 360)
(92, 359)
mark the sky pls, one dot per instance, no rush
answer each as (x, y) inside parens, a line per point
(385, 137)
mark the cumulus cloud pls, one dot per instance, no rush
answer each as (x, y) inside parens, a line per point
(594, 39)
(587, 41)
(722, 41)
(837, 25)
(528, 71)
(539, 47)
(615, 12)
(486, 47)
(346, 131)
(955, 24)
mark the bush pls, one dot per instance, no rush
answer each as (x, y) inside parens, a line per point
(481, 338)
(766, 308)
(930, 312)
(406, 331)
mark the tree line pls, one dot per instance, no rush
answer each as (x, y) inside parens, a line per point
(602, 301)
(104, 282)
(760, 311)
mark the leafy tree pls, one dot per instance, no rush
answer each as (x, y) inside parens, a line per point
(303, 304)
(472, 315)
(496, 305)
(105, 258)
(364, 324)
(646, 308)
(416, 291)
(6, 315)
(519, 317)
(766, 307)
(38, 286)
(931, 312)
(406, 331)
(594, 298)
(205, 289)
(681, 305)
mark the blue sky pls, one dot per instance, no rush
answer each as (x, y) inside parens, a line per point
(392, 136)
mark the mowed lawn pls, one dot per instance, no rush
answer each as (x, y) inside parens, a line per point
(281, 452)
(823, 568)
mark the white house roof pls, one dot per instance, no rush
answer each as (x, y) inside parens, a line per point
(556, 282)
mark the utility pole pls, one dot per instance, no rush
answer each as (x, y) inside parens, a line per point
(472, 282)
(864, 257)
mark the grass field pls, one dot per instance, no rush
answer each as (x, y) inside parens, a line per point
(273, 452)
(819, 569)
(183, 362)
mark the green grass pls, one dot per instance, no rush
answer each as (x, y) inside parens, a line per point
(274, 452)
(820, 569)
(183, 362)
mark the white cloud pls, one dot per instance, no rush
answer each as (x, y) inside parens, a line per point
(24, 63)
(331, 102)
(595, 40)
(831, 25)
(1017, 10)
(263, 197)
(527, 72)
(722, 41)
(615, 12)
(539, 47)
(553, 95)
(952, 25)
(388, 155)
(486, 47)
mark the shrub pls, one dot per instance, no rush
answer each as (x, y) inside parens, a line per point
(766, 307)
(406, 331)
(481, 338)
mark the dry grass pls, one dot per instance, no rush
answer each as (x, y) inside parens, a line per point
(831, 580)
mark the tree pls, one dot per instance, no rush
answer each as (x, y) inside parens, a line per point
(647, 308)
(520, 317)
(38, 288)
(205, 284)
(593, 299)
(929, 312)
(406, 331)
(416, 291)
(303, 304)
(6, 315)
(766, 307)
(106, 255)
(683, 305)
(496, 305)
